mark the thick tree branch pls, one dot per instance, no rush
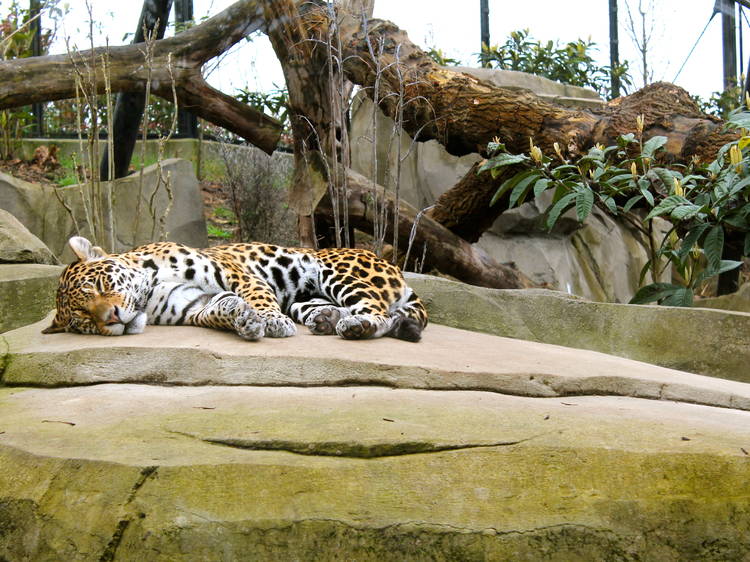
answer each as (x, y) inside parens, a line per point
(465, 113)
(446, 252)
(48, 78)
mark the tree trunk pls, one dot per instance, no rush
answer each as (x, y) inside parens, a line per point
(445, 251)
(48, 78)
(129, 106)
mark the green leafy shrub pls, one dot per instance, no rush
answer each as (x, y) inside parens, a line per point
(441, 58)
(702, 202)
(571, 63)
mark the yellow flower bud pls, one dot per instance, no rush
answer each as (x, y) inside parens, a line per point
(695, 252)
(640, 122)
(558, 151)
(536, 154)
(678, 190)
(735, 157)
(634, 169)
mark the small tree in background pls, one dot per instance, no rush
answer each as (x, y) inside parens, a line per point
(571, 63)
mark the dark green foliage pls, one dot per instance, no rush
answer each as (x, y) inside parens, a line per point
(702, 202)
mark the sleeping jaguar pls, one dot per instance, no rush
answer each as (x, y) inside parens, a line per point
(255, 290)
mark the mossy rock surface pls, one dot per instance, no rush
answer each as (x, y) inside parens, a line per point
(133, 472)
(189, 444)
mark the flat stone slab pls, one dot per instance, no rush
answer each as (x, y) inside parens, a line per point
(446, 358)
(143, 472)
(698, 340)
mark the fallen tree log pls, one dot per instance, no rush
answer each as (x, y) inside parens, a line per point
(445, 251)
(179, 58)
(464, 113)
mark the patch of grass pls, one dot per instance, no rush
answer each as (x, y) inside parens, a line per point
(135, 162)
(225, 214)
(212, 169)
(217, 232)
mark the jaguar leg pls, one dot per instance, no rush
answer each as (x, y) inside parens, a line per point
(320, 315)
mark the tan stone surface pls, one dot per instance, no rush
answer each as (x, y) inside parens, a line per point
(710, 342)
(446, 358)
(27, 293)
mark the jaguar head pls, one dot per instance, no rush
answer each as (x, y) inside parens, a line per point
(99, 294)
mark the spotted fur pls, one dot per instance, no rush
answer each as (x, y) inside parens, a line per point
(255, 290)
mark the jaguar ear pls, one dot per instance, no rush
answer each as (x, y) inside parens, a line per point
(84, 250)
(54, 328)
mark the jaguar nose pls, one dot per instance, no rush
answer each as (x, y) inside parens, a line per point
(113, 317)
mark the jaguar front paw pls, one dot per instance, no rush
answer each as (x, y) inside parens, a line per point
(279, 326)
(249, 325)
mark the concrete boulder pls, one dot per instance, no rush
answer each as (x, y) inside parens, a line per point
(18, 245)
(39, 209)
(699, 340)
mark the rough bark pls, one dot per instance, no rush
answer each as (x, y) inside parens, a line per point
(465, 113)
(445, 251)
(296, 36)
(48, 78)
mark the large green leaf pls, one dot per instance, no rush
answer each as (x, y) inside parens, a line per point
(584, 203)
(713, 246)
(666, 206)
(739, 186)
(510, 183)
(654, 292)
(522, 187)
(679, 297)
(541, 186)
(724, 265)
(691, 238)
(739, 120)
(557, 209)
(648, 196)
(684, 212)
(632, 201)
(609, 202)
(652, 145)
(501, 160)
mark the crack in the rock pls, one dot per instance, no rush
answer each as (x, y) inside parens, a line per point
(348, 450)
(111, 549)
(733, 401)
(4, 357)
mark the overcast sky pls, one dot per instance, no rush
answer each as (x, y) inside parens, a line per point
(455, 30)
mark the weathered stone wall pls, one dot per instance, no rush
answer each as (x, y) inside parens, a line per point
(39, 209)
